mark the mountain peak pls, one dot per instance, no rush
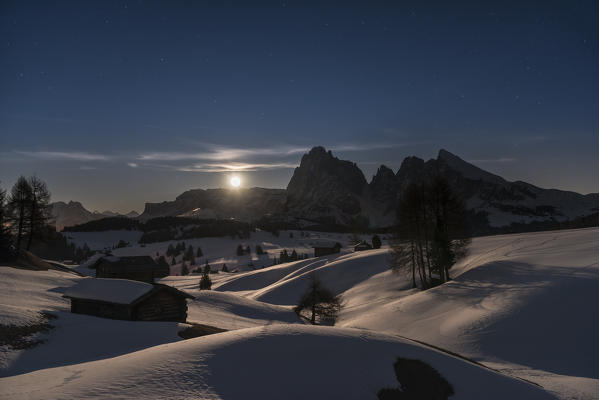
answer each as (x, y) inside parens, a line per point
(468, 170)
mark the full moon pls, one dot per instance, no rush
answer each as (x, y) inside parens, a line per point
(235, 181)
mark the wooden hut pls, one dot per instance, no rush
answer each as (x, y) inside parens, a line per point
(323, 248)
(128, 300)
(137, 268)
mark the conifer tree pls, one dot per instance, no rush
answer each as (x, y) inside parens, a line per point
(205, 282)
(5, 237)
(376, 242)
(240, 250)
(38, 214)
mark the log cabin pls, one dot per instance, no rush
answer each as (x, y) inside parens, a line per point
(128, 300)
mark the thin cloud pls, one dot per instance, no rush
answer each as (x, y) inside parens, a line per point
(63, 155)
(132, 165)
(235, 167)
(220, 153)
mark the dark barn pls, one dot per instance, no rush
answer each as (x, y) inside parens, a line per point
(137, 268)
(128, 300)
(326, 248)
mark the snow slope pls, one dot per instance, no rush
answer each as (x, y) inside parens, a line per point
(521, 303)
(280, 361)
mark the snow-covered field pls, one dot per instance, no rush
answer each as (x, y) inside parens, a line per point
(523, 305)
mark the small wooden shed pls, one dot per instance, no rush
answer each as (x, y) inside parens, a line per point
(323, 248)
(362, 246)
(128, 300)
(137, 268)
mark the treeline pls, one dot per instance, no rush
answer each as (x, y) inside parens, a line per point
(167, 228)
(170, 229)
(587, 221)
(105, 224)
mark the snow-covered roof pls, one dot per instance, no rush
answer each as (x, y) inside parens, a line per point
(120, 291)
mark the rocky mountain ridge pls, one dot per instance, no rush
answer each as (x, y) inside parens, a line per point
(325, 190)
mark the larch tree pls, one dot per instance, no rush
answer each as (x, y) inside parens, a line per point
(432, 232)
(18, 206)
(319, 301)
(38, 215)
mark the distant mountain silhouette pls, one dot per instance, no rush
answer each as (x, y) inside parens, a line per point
(73, 213)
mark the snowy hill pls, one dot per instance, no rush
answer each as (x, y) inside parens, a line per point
(520, 304)
(263, 363)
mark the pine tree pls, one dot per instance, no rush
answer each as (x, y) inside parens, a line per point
(173, 261)
(199, 252)
(184, 269)
(224, 268)
(207, 267)
(293, 256)
(205, 282)
(240, 251)
(248, 250)
(259, 250)
(5, 238)
(189, 255)
(170, 251)
(376, 242)
(284, 256)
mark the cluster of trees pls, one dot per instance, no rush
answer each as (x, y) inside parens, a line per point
(24, 215)
(432, 232)
(177, 228)
(293, 256)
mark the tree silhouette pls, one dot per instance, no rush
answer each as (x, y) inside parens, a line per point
(319, 301)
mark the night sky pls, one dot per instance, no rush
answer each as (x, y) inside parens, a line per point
(117, 103)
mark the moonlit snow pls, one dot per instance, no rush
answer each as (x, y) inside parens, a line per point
(520, 307)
